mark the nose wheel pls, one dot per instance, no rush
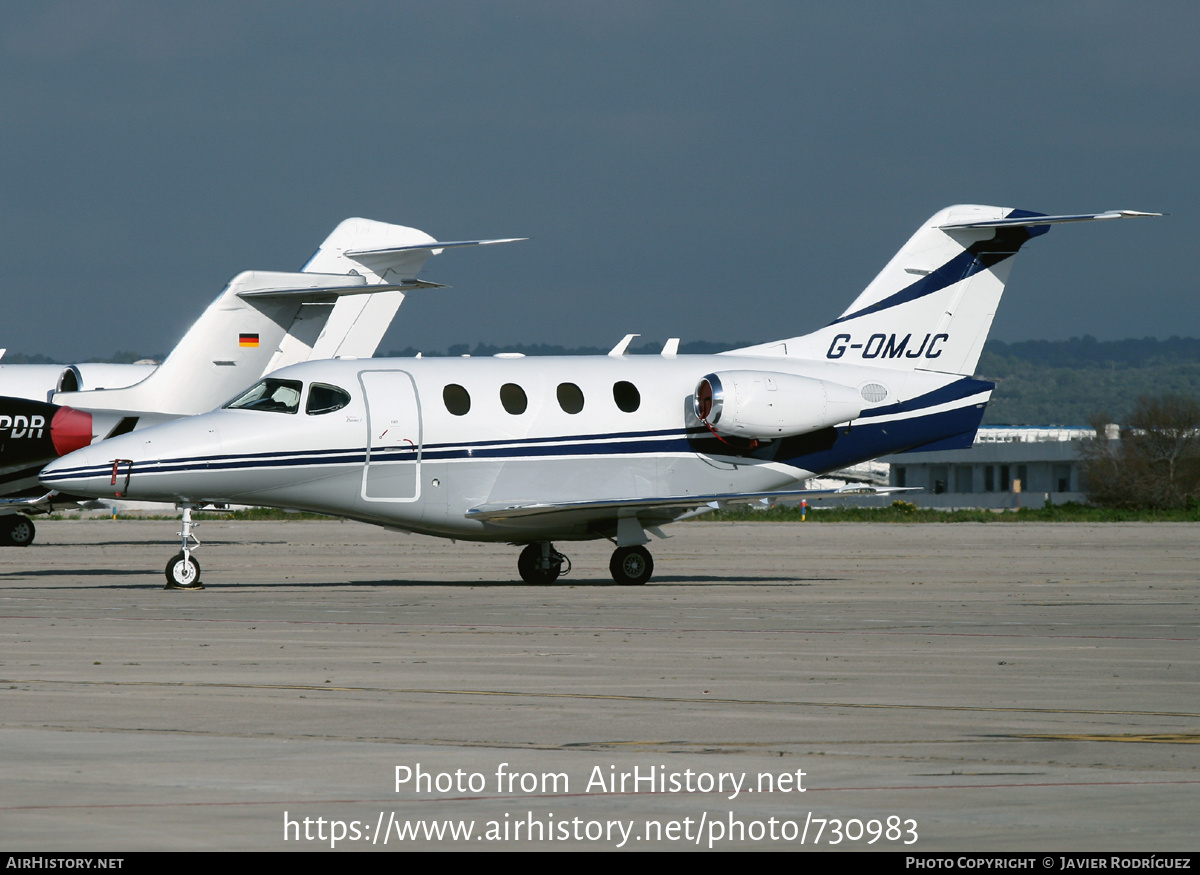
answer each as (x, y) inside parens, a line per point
(183, 571)
(631, 566)
(540, 564)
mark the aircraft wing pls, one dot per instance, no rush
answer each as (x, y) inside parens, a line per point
(40, 501)
(500, 513)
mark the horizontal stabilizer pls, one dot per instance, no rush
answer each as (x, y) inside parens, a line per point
(433, 248)
(1029, 221)
(315, 294)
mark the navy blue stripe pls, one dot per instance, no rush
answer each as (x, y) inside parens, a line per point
(803, 450)
(956, 391)
(825, 450)
(869, 441)
(958, 268)
(976, 257)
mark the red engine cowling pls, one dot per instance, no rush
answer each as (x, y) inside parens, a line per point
(33, 432)
(766, 404)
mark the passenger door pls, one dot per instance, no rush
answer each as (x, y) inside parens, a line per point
(392, 471)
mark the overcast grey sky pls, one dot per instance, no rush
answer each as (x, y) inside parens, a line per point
(715, 171)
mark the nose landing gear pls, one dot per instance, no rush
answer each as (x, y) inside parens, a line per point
(183, 571)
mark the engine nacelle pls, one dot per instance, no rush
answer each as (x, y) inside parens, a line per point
(33, 432)
(86, 377)
(41, 382)
(766, 404)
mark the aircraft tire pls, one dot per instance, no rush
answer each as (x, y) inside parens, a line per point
(17, 531)
(631, 566)
(527, 566)
(183, 572)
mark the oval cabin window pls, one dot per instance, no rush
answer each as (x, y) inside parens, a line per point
(570, 397)
(457, 399)
(513, 398)
(627, 396)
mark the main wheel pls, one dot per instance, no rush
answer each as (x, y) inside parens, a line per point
(631, 566)
(17, 531)
(183, 572)
(529, 566)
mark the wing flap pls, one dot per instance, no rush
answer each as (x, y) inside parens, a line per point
(522, 510)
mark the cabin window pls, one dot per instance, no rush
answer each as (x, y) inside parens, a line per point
(457, 399)
(570, 397)
(323, 398)
(275, 396)
(627, 396)
(513, 398)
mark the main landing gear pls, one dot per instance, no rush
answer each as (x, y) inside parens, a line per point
(540, 564)
(631, 566)
(16, 531)
(183, 571)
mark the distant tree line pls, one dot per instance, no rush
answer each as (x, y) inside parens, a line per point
(124, 357)
(1041, 382)
(1038, 382)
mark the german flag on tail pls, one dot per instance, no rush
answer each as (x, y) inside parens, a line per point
(250, 340)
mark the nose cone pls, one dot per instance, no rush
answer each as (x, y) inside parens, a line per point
(151, 464)
(78, 473)
(90, 471)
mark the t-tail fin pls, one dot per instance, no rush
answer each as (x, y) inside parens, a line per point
(932, 306)
(385, 255)
(340, 304)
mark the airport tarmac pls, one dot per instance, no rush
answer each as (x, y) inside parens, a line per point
(942, 687)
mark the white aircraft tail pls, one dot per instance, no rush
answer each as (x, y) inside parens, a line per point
(932, 306)
(385, 255)
(339, 305)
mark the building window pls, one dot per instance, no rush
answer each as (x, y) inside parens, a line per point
(989, 478)
(1062, 478)
(901, 475)
(938, 477)
(964, 480)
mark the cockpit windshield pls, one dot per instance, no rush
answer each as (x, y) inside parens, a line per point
(276, 396)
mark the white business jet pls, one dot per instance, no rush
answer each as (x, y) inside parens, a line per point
(340, 304)
(537, 450)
